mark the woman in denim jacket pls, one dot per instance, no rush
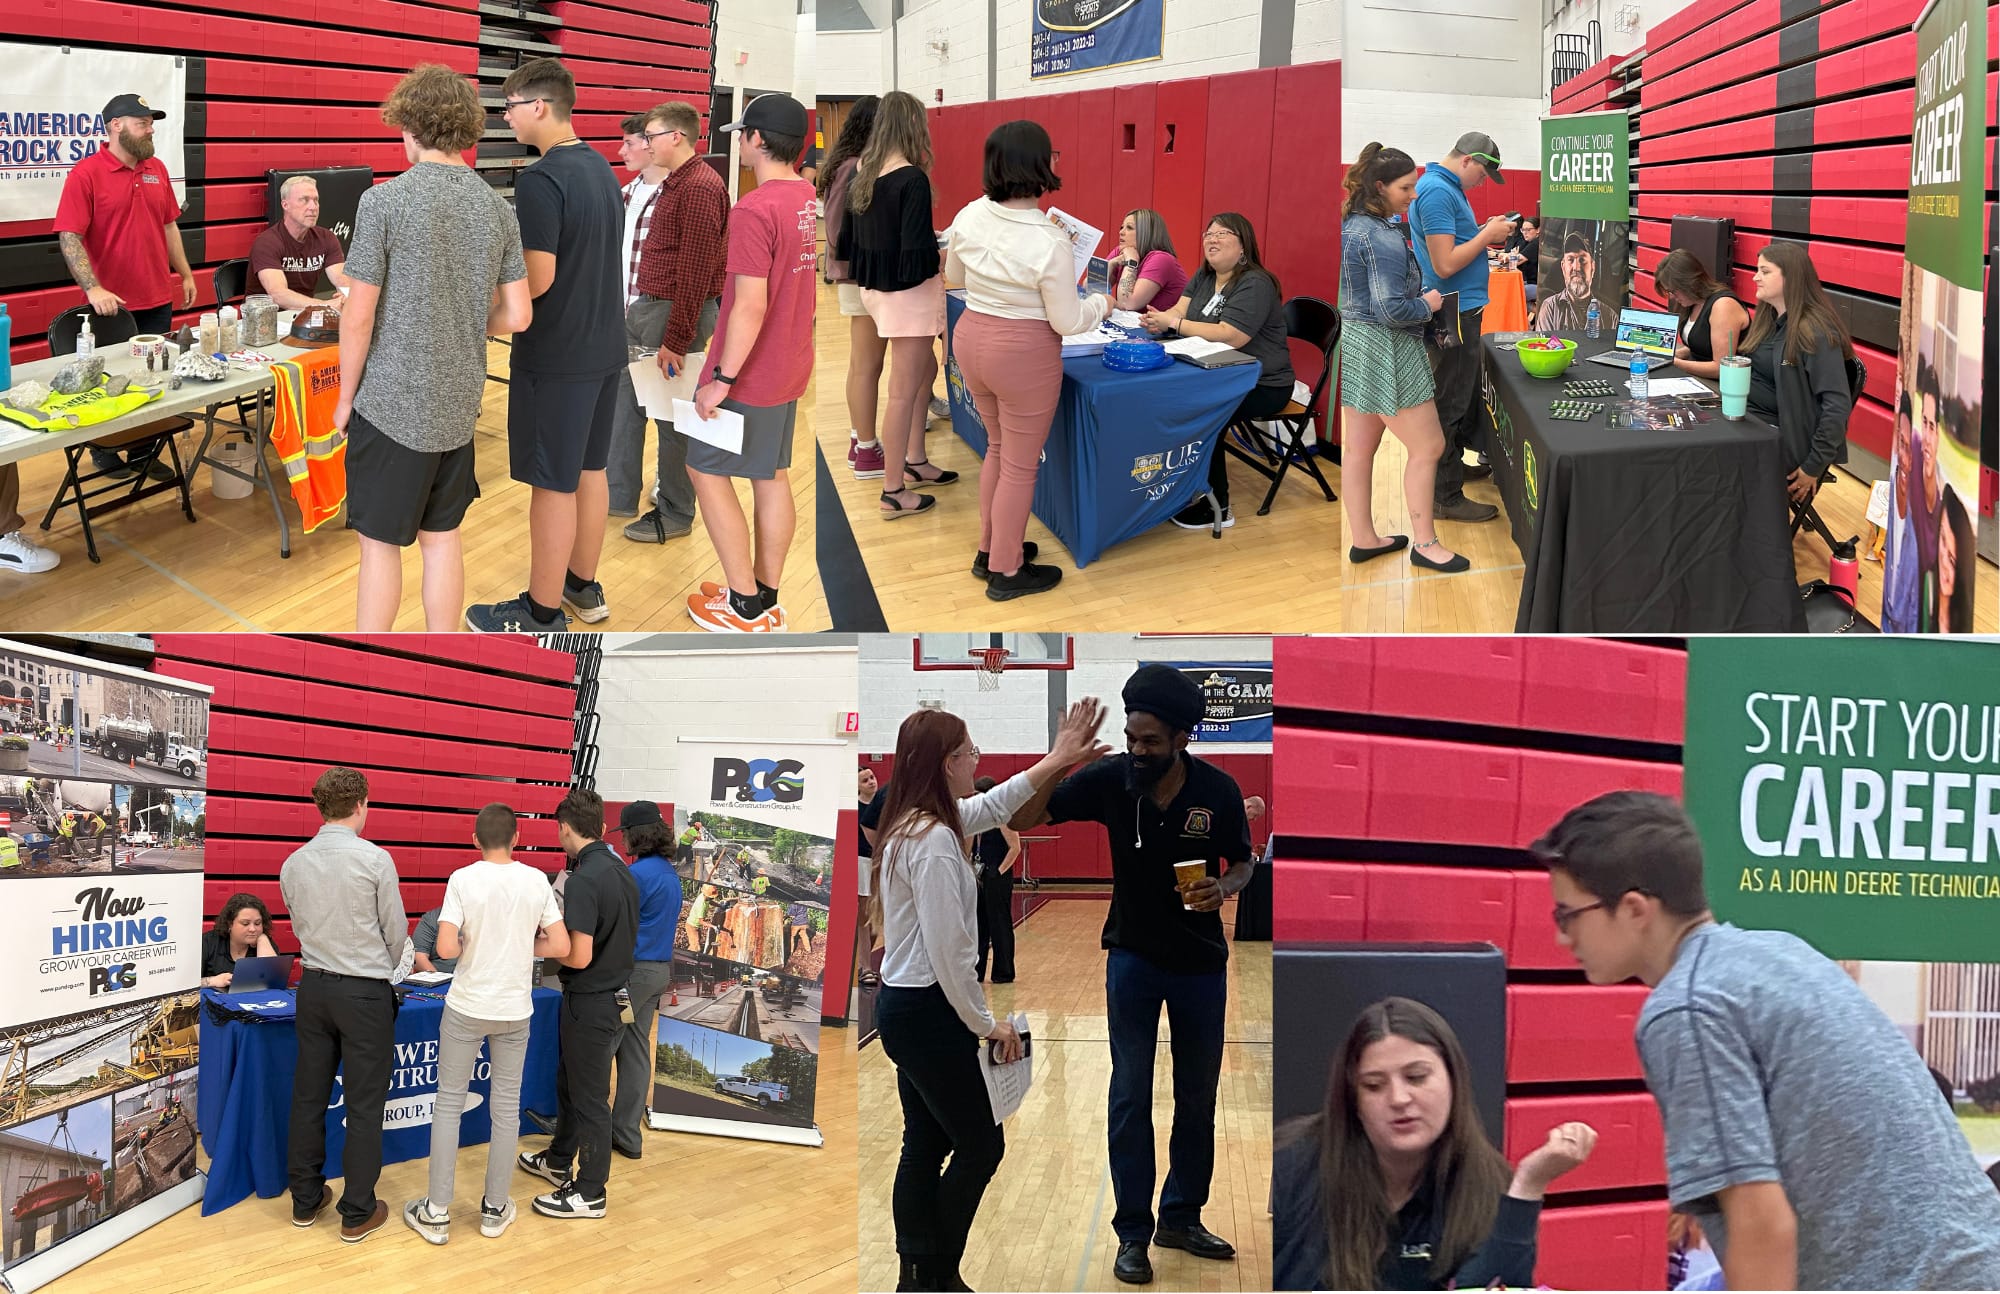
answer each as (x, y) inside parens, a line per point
(1385, 376)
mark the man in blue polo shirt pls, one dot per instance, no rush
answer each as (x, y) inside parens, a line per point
(1451, 249)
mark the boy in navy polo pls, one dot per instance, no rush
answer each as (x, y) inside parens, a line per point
(1166, 946)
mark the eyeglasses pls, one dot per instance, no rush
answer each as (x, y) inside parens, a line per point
(967, 754)
(651, 135)
(512, 104)
(1563, 916)
(1215, 235)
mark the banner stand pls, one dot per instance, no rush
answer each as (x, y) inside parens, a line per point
(771, 1132)
(52, 1264)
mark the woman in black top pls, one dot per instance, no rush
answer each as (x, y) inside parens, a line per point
(891, 248)
(996, 852)
(1394, 1186)
(1799, 352)
(1712, 319)
(240, 930)
(1524, 251)
(1236, 301)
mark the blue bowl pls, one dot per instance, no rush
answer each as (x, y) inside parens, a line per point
(1135, 356)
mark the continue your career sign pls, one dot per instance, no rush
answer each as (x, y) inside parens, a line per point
(1586, 221)
(1850, 794)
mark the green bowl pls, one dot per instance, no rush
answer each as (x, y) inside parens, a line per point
(1545, 363)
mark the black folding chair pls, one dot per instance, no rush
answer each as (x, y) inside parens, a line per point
(232, 281)
(1271, 453)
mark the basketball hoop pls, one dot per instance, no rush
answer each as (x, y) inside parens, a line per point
(992, 663)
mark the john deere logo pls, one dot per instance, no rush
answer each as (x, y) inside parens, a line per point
(1529, 471)
(1147, 466)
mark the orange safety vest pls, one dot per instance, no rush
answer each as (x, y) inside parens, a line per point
(313, 451)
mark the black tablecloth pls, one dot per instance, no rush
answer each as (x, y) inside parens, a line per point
(1682, 531)
(1253, 906)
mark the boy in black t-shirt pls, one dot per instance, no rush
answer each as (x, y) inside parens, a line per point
(1161, 806)
(601, 909)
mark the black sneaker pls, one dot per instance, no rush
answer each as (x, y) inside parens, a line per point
(538, 1164)
(111, 465)
(512, 617)
(653, 529)
(1200, 516)
(566, 1201)
(588, 602)
(1464, 509)
(1029, 579)
(1029, 549)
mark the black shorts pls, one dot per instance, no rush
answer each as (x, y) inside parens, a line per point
(394, 491)
(559, 428)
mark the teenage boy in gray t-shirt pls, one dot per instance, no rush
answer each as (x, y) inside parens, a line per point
(1803, 1131)
(435, 266)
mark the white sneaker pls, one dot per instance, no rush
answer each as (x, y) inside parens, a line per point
(23, 555)
(493, 1221)
(417, 1213)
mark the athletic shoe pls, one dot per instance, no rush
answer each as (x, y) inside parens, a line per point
(940, 408)
(493, 1221)
(867, 461)
(1031, 578)
(538, 1164)
(980, 570)
(711, 590)
(24, 556)
(853, 441)
(513, 617)
(588, 602)
(417, 1215)
(715, 613)
(1200, 516)
(566, 1201)
(653, 528)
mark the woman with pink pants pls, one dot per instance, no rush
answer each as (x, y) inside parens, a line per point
(1020, 302)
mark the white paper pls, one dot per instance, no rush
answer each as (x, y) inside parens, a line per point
(1126, 319)
(427, 977)
(1196, 347)
(1007, 1085)
(1677, 386)
(1878, 504)
(1083, 238)
(657, 392)
(724, 430)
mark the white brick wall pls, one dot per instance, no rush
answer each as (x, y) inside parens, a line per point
(853, 63)
(648, 701)
(1576, 18)
(1416, 74)
(1316, 31)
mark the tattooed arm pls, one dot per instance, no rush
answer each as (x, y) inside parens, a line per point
(102, 299)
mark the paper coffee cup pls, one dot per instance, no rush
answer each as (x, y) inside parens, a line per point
(1187, 873)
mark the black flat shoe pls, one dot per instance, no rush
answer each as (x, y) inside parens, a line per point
(1396, 544)
(916, 479)
(1133, 1267)
(1028, 550)
(1197, 1240)
(900, 510)
(1459, 561)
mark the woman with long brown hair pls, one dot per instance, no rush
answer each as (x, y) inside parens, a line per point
(889, 242)
(1712, 319)
(1394, 1185)
(1799, 352)
(866, 351)
(931, 1010)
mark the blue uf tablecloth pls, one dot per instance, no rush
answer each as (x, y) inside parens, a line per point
(243, 1109)
(1126, 450)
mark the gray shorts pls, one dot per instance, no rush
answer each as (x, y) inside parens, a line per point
(767, 444)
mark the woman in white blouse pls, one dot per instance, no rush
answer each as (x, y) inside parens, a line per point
(1019, 274)
(931, 1011)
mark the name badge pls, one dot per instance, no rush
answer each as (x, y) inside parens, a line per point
(1197, 823)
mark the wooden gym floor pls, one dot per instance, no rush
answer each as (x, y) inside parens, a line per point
(161, 574)
(697, 1213)
(1045, 1223)
(1389, 596)
(1277, 573)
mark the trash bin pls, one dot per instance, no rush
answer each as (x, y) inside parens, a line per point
(234, 452)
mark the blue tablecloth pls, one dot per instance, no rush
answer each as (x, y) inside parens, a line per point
(1126, 450)
(243, 1108)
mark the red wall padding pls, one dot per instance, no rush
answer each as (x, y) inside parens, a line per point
(1471, 745)
(440, 726)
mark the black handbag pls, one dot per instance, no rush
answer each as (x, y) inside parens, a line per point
(1830, 609)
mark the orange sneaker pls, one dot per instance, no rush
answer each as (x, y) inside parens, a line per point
(710, 591)
(715, 614)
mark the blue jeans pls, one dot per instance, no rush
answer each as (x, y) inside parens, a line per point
(157, 320)
(1134, 991)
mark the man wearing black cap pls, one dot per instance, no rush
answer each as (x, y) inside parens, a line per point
(648, 842)
(1451, 249)
(1569, 309)
(1162, 807)
(759, 364)
(119, 226)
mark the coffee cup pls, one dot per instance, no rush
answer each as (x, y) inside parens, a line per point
(1734, 379)
(1187, 873)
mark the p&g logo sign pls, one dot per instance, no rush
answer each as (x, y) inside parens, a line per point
(758, 781)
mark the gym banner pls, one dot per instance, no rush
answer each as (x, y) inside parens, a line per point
(1236, 699)
(1848, 794)
(102, 822)
(1586, 221)
(1069, 36)
(51, 101)
(738, 1043)
(1931, 564)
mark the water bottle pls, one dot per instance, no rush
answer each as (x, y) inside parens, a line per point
(6, 354)
(1590, 322)
(1842, 570)
(86, 341)
(1639, 375)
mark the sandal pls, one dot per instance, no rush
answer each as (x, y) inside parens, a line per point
(924, 503)
(1459, 561)
(1359, 555)
(912, 477)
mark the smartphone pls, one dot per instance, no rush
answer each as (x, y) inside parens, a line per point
(1513, 217)
(1027, 1047)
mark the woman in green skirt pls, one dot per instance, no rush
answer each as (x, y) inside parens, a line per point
(1385, 375)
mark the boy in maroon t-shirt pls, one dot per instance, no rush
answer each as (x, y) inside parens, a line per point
(760, 362)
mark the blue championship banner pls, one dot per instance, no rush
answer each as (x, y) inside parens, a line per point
(1089, 35)
(1236, 699)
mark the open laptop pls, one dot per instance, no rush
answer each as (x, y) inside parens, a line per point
(261, 974)
(1649, 332)
(1097, 277)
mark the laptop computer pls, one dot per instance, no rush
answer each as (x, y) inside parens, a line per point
(1651, 333)
(1097, 277)
(261, 974)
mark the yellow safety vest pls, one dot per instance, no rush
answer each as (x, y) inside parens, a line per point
(10, 852)
(68, 412)
(313, 451)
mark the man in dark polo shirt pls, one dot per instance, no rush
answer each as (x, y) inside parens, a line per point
(1161, 806)
(288, 257)
(118, 222)
(601, 909)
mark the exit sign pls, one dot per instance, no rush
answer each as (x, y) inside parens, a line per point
(850, 722)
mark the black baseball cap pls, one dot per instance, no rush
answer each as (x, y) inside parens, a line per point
(1577, 241)
(638, 814)
(131, 105)
(1481, 149)
(776, 114)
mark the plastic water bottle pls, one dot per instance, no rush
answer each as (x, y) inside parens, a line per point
(1640, 379)
(6, 354)
(86, 341)
(1590, 322)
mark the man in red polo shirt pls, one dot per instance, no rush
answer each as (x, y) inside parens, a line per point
(118, 225)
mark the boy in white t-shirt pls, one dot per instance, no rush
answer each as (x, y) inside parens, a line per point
(498, 917)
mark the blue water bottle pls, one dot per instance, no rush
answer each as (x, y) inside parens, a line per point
(1590, 322)
(1639, 375)
(6, 355)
